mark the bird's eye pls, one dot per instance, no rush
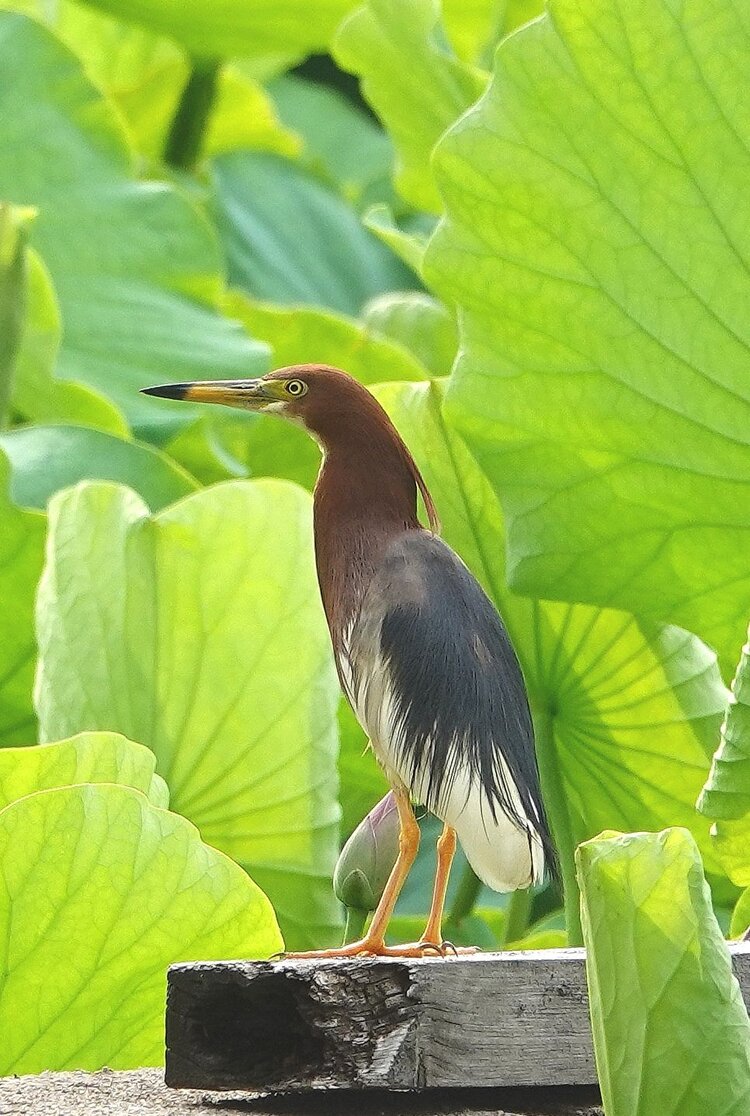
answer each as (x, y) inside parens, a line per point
(295, 388)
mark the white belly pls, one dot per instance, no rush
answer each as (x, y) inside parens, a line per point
(503, 856)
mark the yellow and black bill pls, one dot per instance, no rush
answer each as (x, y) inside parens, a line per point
(252, 394)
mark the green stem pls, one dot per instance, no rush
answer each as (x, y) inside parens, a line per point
(355, 925)
(466, 896)
(190, 122)
(557, 811)
(517, 915)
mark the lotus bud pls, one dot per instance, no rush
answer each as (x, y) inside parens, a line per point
(367, 858)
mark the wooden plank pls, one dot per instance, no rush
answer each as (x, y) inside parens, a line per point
(488, 1020)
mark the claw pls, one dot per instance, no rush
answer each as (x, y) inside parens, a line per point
(369, 948)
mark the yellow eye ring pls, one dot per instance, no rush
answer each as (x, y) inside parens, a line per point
(295, 388)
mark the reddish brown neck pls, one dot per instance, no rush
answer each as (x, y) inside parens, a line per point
(365, 496)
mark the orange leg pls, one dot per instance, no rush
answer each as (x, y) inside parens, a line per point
(373, 942)
(446, 850)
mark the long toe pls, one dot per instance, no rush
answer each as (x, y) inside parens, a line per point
(369, 948)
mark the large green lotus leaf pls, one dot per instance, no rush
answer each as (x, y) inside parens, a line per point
(408, 244)
(45, 459)
(340, 141)
(199, 632)
(597, 244)
(732, 841)
(289, 238)
(21, 552)
(89, 757)
(101, 892)
(14, 224)
(361, 781)
(419, 322)
(146, 73)
(235, 27)
(475, 26)
(413, 82)
(120, 252)
(204, 447)
(671, 1032)
(740, 922)
(727, 791)
(303, 335)
(726, 796)
(118, 56)
(626, 713)
(37, 394)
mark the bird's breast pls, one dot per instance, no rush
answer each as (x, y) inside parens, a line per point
(367, 684)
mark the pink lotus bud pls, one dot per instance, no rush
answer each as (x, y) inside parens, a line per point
(368, 856)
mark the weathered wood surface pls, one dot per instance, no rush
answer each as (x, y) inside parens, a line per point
(143, 1093)
(488, 1020)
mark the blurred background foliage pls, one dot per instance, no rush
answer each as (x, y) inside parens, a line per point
(211, 190)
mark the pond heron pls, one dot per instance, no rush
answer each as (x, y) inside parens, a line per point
(421, 652)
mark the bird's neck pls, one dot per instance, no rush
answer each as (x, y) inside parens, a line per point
(365, 496)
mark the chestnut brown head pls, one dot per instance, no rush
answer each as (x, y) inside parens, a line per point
(336, 410)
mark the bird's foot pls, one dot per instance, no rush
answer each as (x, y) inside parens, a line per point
(375, 947)
(425, 948)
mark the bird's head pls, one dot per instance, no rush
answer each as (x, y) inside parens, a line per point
(330, 404)
(314, 395)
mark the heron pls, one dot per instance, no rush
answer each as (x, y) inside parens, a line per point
(421, 652)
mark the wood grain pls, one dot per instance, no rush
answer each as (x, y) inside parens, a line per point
(487, 1021)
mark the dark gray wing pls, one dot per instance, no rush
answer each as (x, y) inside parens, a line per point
(458, 692)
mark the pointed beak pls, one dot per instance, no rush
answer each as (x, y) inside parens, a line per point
(252, 395)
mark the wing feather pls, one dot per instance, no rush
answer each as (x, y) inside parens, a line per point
(433, 666)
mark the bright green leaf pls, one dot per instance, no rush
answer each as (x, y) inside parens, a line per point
(37, 394)
(474, 27)
(411, 79)
(235, 27)
(541, 939)
(671, 1032)
(101, 892)
(340, 140)
(408, 244)
(361, 780)
(597, 245)
(419, 322)
(117, 56)
(245, 117)
(302, 335)
(119, 252)
(220, 662)
(288, 238)
(21, 551)
(472, 931)
(626, 713)
(203, 447)
(727, 791)
(13, 230)
(740, 922)
(45, 459)
(90, 757)
(145, 74)
(725, 795)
